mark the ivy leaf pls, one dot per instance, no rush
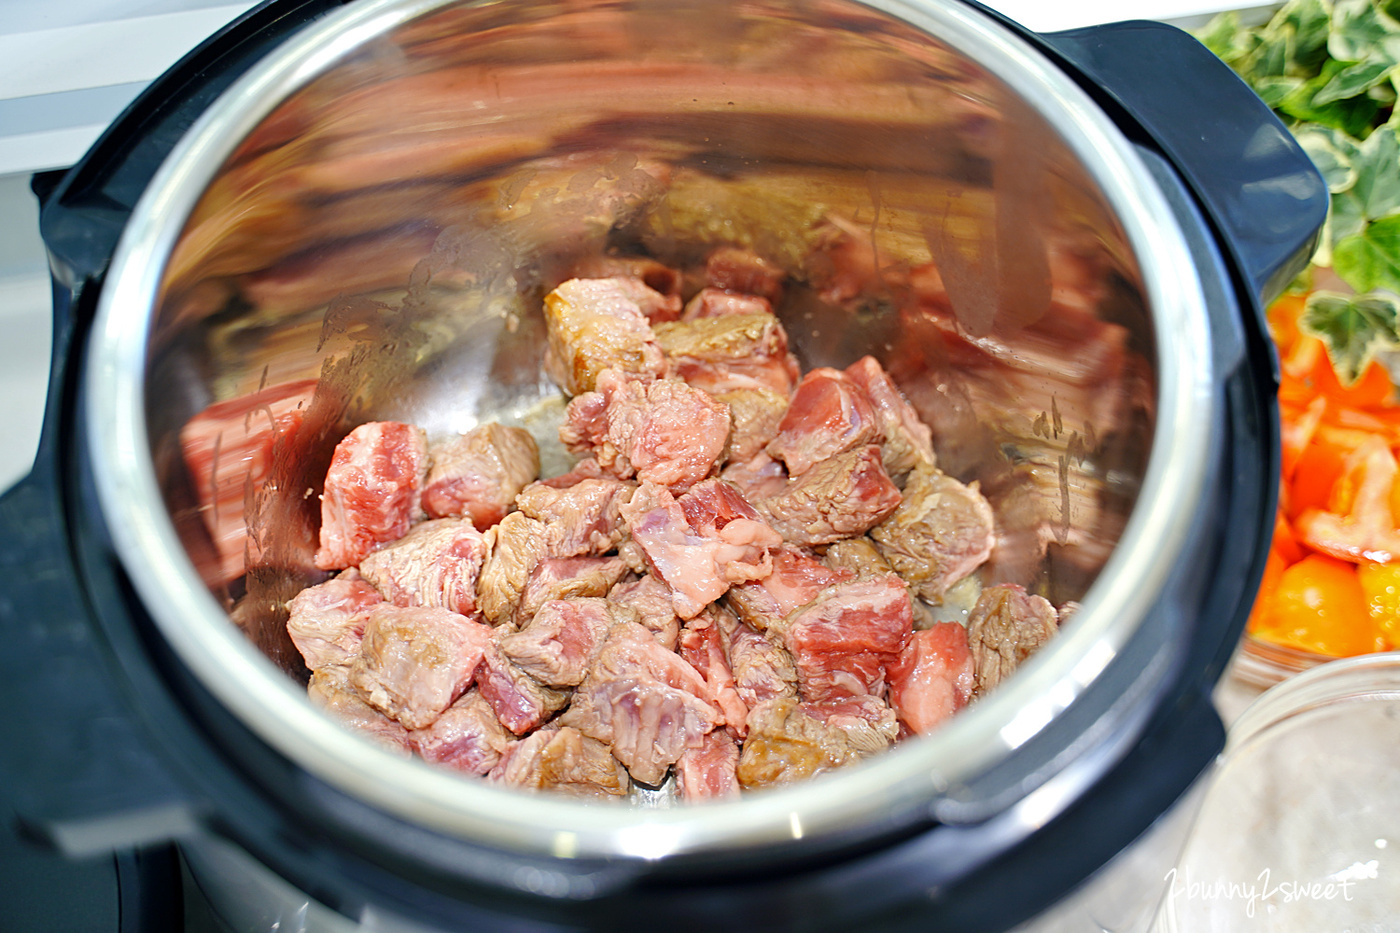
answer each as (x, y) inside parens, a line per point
(1224, 36)
(1359, 30)
(1333, 152)
(1309, 21)
(1378, 173)
(1354, 79)
(1352, 327)
(1370, 259)
(1353, 116)
(1274, 90)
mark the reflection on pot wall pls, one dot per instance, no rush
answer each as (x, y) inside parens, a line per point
(379, 247)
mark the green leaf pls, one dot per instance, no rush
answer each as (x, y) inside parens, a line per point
(1371, 258)
(1359, 30)
(1225, 37)
(1310, 22)
(1354, 116)
(1378, 174)
(1353, 327)
(1332, 151)
(1353, 80)
(1274, 90)
(1345, 219)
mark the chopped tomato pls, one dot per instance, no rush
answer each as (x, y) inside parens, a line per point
(1318, 605)
(1381, 585)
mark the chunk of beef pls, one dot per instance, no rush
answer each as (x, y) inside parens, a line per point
(762, 670)
(372, 491)
(1006, 626)
(703, 643)
(790, 741)
(478, 474)
(838, 498)
(844, 642)
(582, 518)
(414, 663)
(758, 478)
(568, 578)
(829, 414)
(646, 702)
(513, 547)
(662, 431)
(435, 564)
(740, 270)
(662, 299)
(650, 598)
(598, 324)
(908, 442)
(561, 760)
(327, 621)
(941, 532)
(330, 691)
(467, 736)
(520, 701)
(717, 302)
(933, 677)
(859, 556)
(560, 642)
(754, 416)
(710, 772)
(734, 351)
(795, 581)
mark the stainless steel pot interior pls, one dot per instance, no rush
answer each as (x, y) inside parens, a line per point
(378, 206)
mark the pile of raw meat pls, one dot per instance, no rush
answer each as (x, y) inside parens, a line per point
(732, 586)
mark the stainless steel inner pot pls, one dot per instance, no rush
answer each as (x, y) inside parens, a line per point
(377, 207)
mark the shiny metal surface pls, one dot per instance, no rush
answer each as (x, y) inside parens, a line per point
(378, 205)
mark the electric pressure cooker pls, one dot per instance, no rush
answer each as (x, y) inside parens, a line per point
(365, 201)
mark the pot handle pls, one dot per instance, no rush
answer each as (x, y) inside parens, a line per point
(1261, 191)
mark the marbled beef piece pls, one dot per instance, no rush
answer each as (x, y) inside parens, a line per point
(520, 702)
(758, 478)
(844, 641)
(435, 564)
(796, 580)
(790, 741)
(650, 598)
(718, 511)
(514, 546)
(662, 431)
(648, 703)
(933, 677)
(581, 518)
(839, 498)
(859, 556)
(567, 578)
(414, 663)
(330, 691)
(710, 772)
(598, 324)
(1006, 626)
(662, 300)
(828, 415)
(703, 643)
(754, 416)
(372, 491)
(941, 532)
(327, 621)
(762, 670)
(561, 640)
(740, 270)
(478, 474)
(467, 736)
(717, 302)
(908, 442)
(733, 351)
(562, 760)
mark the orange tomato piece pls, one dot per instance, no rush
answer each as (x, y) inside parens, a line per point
(1274, 566)
(1381, 585)
(1357, 524)
(1318, 605)
(1298, 426)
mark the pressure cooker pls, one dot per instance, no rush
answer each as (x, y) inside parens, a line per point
(364, 202)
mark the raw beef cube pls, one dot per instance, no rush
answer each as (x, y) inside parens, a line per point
(754, 416)
(715, 509)
(762, 670)
(739, 270)
(859, 556)
(1006, 626)
(663, 431)
(717, 302)
(844, 642)
(933, 677)
(567, 578)
(414, 663)
(650, 598)
(661, 300)
(467, 736)
(790, 741)
(795, 581)
(838, 498)
(759, 478)
(330, 692)
(941, 532)
(562, 760)
(521, 703)
(867, 722)
(644, 701)
(908, 443)
(829, 414)
(702, 644)
(582, 518)
(513, 547)
(327, 621)
(734, 351)
(435, 564)
(598, 324)
(478, 474)
(560, 642)
(372, 491)
(710, 772)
